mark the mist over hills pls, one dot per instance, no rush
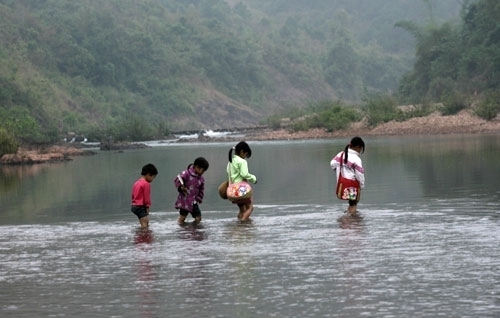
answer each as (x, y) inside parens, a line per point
(93, 66)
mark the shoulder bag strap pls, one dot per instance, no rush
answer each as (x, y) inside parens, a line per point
(341, 162)
(228, 172)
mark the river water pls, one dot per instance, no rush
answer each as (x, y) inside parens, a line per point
(426, 244)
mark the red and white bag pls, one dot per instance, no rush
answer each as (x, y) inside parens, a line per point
(347, 189)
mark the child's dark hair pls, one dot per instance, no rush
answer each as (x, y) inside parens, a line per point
(241, 146)
(201, 162)
(149, 169)
(355, 142)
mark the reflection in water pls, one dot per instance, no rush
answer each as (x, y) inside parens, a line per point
(143, 236)
(192, 231)
(291, 261)
(146, 274)
(410, 255)
(448, 167)
(240, 232)
(241, 270)
(348, 221)
(19, 188)
(19, 172)
(191, 281)
(353, 259)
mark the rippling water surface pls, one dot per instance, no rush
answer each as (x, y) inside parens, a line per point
(413, 254)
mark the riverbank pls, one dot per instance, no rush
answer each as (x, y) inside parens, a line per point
(433, 124)
(56, 153)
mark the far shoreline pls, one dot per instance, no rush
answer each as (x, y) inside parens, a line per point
(463, 123)
(433, 124)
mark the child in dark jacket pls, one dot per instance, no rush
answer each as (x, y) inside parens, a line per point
(191, 186)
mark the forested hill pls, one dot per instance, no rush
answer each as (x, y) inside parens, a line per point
(105, 67)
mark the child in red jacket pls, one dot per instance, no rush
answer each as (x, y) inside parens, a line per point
(141, 194)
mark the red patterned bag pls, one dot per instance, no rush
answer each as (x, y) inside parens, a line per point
(347, 189)
(239, 191)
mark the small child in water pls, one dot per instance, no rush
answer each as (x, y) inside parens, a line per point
(349, 164)
(191, 186)
(141, 194)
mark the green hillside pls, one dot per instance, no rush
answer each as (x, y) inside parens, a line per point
(139, 69)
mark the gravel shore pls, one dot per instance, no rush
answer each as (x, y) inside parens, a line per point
(433, 124)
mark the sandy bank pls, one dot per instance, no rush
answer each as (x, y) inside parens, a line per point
(51, 154)
(434, 124)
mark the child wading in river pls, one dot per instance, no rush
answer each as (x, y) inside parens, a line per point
(237, 170)
(141, 194)
(191, 186)
(349, 164)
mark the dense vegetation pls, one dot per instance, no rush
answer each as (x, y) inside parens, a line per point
(139, 69)
(457, 66)
(455, 61)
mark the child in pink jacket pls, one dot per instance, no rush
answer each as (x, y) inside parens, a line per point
(191, 186)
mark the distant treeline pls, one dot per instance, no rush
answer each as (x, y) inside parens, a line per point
(127, 69)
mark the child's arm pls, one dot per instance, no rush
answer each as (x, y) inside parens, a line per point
(179, 183)
(359, 172)
(245, 174)
(335, 162)
(201, 192)
(147, 195)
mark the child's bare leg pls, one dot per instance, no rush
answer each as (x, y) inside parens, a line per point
(197, 219)
(352, 209)
(242, 210)
(144, 222)
(248, 209)
(181, 219)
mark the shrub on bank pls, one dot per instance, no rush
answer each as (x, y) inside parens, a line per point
(380, 109)
(489, 106)
(8, 143)
(330, 115)
(453, 103)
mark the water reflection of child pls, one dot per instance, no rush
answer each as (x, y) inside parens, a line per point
(191, 185)
(143, 236)
(237, 169)
(352, 166)
(141, 194)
